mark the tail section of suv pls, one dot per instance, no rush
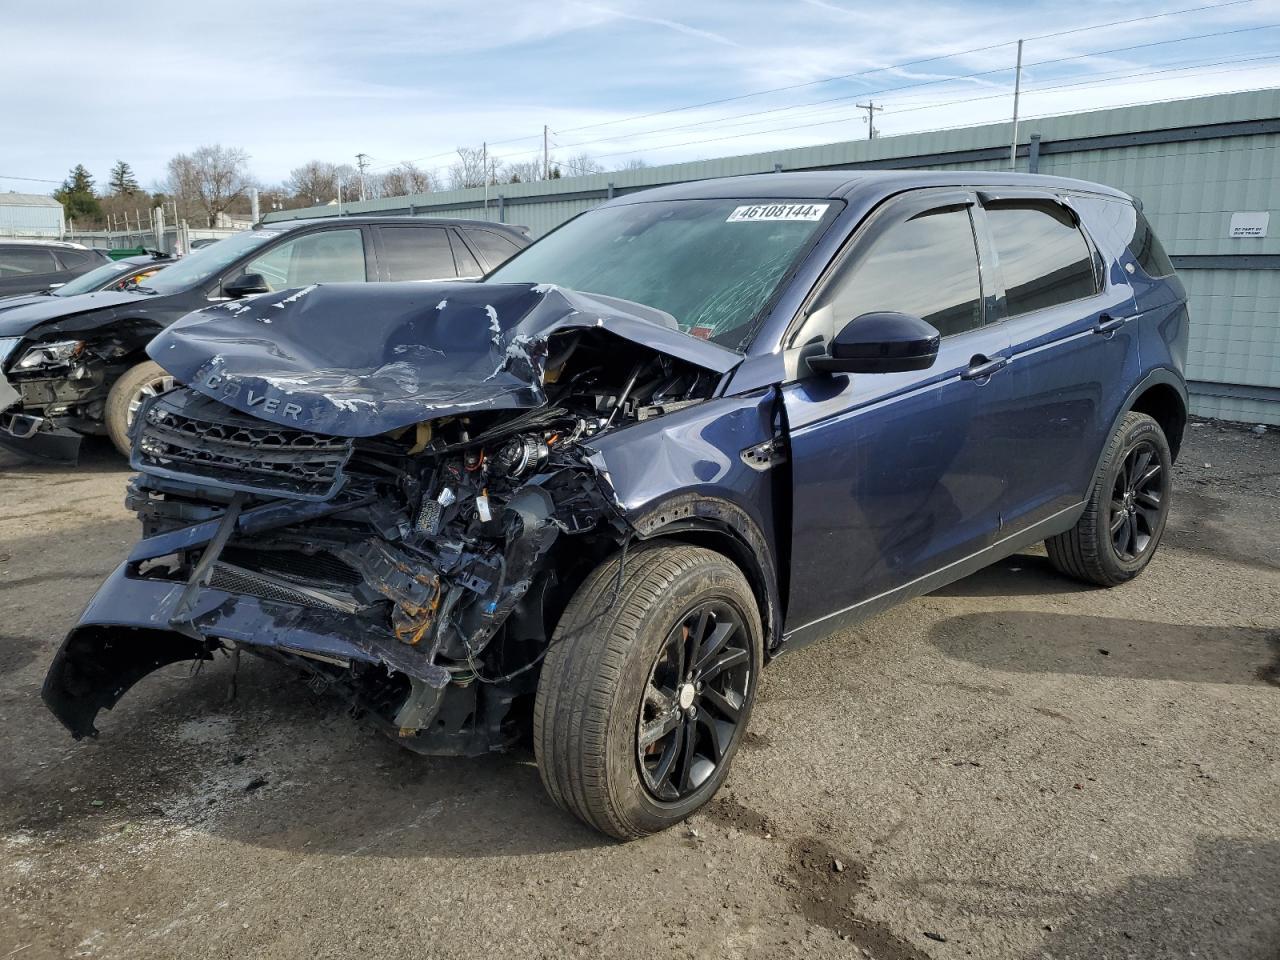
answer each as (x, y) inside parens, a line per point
(33, 266)
(591, 495)
(78, 365)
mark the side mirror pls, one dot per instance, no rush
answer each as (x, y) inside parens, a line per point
(880, 343)
(245, 285)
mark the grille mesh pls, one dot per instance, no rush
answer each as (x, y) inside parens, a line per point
(184, 434)
(231, 579)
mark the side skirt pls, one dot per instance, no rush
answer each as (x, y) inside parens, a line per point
(1059, 522)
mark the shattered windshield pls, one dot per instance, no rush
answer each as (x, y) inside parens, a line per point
(711, 264)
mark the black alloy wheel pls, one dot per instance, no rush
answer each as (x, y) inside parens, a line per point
(1137, 501)
(693, 702)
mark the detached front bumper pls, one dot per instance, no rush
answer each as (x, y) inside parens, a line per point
(133, 627)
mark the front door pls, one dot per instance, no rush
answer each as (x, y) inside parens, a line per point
(899, 475)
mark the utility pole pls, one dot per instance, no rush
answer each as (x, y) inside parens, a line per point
(871, 108)
(546, 154)
(484, 174)
(362, 161)
(1017, 89)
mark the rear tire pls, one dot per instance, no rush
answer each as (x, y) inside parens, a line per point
(678, 648)
(1124, 519)
(136, 384)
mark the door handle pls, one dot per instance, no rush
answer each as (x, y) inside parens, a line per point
(1109, 324)
(980, 367)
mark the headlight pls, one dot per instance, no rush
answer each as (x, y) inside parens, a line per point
(49, 355)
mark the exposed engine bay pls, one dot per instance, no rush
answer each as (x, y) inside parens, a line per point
(419, 570)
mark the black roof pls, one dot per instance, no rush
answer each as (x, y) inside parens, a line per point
(359, 219)
(845, 184)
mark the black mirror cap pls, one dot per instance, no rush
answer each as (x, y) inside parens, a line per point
(882, 342)
(246, 285)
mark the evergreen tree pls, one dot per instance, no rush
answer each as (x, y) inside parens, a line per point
(123, 183)
(77, 197)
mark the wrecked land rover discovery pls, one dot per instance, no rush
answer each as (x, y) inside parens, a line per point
(590, 495)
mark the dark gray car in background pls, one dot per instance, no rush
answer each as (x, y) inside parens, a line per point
(76, 366)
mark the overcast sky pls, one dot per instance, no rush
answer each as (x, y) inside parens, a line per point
(400, 80)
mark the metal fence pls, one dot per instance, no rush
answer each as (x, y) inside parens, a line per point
(1198, 165)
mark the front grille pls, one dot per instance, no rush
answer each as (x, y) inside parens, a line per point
(233, 579)
(188, 436)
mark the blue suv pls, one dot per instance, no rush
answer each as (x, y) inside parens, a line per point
(590, 496)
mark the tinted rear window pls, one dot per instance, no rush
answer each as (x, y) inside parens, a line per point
(1043, 256)
(1147, 250)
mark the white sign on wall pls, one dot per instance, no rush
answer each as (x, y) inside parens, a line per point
(1249, 224)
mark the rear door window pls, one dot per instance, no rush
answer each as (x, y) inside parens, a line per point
(25, 261)
(494, 247)
(77, 259)
(1044, 258)
(416, 253)
(926, 266)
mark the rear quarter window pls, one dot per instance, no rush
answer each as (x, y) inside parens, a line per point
(495, 248)
(1147, 249)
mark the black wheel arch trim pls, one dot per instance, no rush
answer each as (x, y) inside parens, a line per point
(1161, 376)
(723, 526)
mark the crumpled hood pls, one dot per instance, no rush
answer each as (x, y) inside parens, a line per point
(357, 360)
(22, 320)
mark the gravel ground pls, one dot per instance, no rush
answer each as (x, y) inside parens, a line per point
(1015, 766)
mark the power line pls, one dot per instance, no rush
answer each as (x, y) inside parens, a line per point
(849, 76)
(884, 90)
(31, 179)
(909, 63)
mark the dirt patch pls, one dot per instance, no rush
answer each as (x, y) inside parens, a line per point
(825, 884)
(755, 741)
(1270, 673)
(728, 812)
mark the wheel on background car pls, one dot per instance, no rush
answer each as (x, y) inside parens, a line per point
(647, 688)
(126, 396)
(1118, 533)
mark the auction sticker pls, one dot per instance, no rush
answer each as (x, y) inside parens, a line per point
(777, 211)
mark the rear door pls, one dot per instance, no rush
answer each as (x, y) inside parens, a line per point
(1066, 307)
(412, 252)
(898, 475)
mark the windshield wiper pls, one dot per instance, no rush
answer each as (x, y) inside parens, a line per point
(138, 288)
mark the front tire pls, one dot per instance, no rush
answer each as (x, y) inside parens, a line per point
(644, 695)
(127, 394)
(1117, 535)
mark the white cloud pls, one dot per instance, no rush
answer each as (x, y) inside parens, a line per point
(291, 81)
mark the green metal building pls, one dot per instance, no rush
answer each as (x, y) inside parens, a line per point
(1207, 171)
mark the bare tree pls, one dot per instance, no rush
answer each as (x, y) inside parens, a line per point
(635, 163)
(469, 169)
(210, 178)
(526, 171)
(404, 179)
(582, 164)
(313, 182)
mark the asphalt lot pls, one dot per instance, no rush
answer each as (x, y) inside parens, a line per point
(1017, 766)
